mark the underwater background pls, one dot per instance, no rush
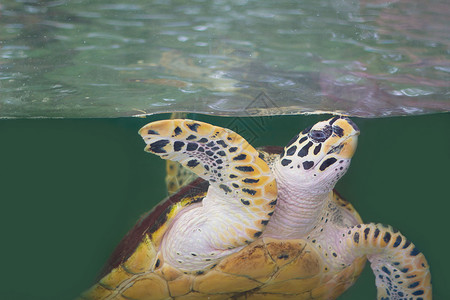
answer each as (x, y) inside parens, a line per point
(72, 188)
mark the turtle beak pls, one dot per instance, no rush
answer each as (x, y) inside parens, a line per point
(349, 147)
(344, 141)
(350, 142)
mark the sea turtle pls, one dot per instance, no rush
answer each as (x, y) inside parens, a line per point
(258, 224)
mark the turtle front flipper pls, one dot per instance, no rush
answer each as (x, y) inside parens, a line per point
(177, 176)
(240, 199)
(401, 271)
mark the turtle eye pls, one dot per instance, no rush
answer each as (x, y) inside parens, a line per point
(320, 136)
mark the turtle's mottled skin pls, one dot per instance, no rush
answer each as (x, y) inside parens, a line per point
(258, 225)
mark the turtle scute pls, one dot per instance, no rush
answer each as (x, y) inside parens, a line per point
(266, 269)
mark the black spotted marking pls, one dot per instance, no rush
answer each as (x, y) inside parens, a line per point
(232, 149)
(418, 292)
(221, 153)
(193, 254)
(406, 245)
(193, 126)
(398, 241)
(203, 140)
(308, 165)
(274, 202)
(225, 188)
(240, 157)
(328, 162)
(150, 131)
(177, 131)
(414, 252)
(334, 120)
(233, 176)
(291, 150)
(215, 148)
(366, 233)
(356, 237)
(249, 191)
(334, 254)
(206, 167)
(200, 272)
(257, 234)
(387, 237)
(245, 168)
(157, 147)
(385, 270)
(338, 131)
(245, 202)
(178, 145)
(191, 137)
(235, 185)
(201, 149)
(209, 152)
(302, 140)
(317, 149)
(191, 146)
(222, 143)
(158, 262)
(219, 161)
(413, 285)
(211, 144)
(376, 233)
(283, 256)
(285, 162)
(265, 222)
(192, 163)
(250, 180)
(270, 214)
(304, 151)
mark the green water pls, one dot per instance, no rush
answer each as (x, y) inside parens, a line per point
(115, 58)
(72, 188)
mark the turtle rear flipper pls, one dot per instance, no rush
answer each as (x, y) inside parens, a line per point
(240, 199)
(401, 271)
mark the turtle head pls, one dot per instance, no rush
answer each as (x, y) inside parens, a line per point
(319, 156)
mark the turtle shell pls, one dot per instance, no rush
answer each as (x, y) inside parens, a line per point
(265, 269)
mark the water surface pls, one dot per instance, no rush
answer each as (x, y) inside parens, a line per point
(117, 58)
